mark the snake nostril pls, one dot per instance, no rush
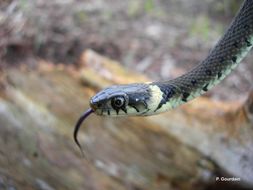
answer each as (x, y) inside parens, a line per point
(95, 104)
(92, 104)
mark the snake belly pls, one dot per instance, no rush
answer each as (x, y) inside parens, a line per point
(152, 98)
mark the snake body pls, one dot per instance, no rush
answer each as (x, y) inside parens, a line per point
(141, 99)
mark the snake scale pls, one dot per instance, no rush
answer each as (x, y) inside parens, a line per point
(143, 99)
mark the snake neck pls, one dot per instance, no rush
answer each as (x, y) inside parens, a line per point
(224, 57)
(152, 98)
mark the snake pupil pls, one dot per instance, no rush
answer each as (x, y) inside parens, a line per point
(118, 102)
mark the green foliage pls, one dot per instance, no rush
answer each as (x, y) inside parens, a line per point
(80, 16)
(201, 27)
(226, 7)
(135, 7)
(149, 6)
(24, 4)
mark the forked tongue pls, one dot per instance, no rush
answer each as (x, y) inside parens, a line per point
(77, 127)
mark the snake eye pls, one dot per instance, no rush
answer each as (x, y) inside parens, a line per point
(118, 102)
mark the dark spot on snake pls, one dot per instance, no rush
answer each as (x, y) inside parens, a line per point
(194, 82)
(235, 44)
(208, 72)
(222, 59)
(108, 112)
(185, 96)
(247, 42)
(168, 91)
(246, 26)
(124, 109)
(234, 58)
(135, 108)
(145, 104)
(205, 88)
(219, 74)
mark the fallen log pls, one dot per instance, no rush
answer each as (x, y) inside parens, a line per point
(186, 148)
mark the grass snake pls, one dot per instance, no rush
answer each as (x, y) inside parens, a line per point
(144, 99)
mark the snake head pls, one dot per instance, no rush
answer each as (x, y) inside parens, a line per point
(121, 100)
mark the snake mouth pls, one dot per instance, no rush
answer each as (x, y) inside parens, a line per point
(97, 106)
(104, 112)
(100, 108)
(94, 106)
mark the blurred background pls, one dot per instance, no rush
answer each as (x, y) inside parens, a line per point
(55, 54)
(161, 38)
